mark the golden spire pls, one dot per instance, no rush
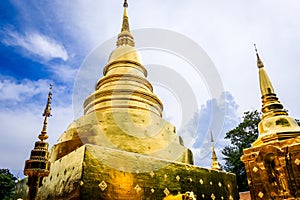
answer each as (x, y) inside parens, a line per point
(124, 85)
(47, 113)
(259, 62)
(125, 37)
(215, 163)
(125, 24)
(271, 105)
(38, 166)
(264, 80)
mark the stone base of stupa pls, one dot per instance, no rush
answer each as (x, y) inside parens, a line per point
(93, 172)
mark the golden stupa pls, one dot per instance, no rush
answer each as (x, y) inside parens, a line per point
(273, 162)
(122, 148)
(215, 165)
(122, 108)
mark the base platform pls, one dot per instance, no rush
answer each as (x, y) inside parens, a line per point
(94, 172)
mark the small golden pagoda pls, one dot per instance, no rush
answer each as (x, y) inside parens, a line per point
(215, 165)
(38, 166)
(273, 162)
(122, 148)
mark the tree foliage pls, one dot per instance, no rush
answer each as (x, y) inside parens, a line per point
(7, 184)
(298, 121)
(241, 137)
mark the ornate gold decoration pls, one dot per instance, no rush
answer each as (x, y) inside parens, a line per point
(81, 183)
(152, 174)
(201, 181)
(137, 188)
(297, 161)
(255, 169)
(167, 192)
(260, 194)
(213, 197)
(152, 190)
(178, 178)
(102, 185)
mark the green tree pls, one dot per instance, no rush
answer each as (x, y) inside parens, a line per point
(298, 121)
(241, 137)
(7, 184)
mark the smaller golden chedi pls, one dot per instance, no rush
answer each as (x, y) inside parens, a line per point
(38, 166)
(215, 163)
(272, 163)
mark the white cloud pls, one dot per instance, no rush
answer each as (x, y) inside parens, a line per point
(36, 44)
(64, 73)
(12, 90)
(29, 92)
(217, 115)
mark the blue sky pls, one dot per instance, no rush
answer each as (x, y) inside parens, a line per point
(45, 42)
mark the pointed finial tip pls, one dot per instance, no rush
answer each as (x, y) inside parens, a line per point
(125, 5)
(211, 136)
(259, 62)
(255, 48)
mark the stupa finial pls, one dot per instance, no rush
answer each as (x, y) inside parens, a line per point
(125, 37)
(47, 113)
(259, 62)
(125, 5)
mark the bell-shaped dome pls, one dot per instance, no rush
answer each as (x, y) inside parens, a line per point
(125, 52)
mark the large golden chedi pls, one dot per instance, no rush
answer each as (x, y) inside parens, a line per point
(122, 148)
(124, 108)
